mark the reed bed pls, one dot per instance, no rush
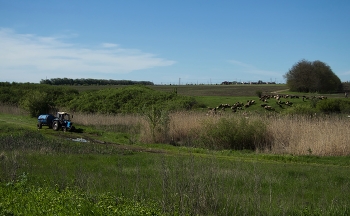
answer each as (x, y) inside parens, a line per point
(297, 135)
(301, 135)
(106, 120)
(287, 134)
(11, 109)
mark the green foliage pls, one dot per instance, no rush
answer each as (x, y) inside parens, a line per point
(300, 109)
(20, 198)
(128, 100)
(259, 93)
(345, 106)
(315, 76)
(39, 98)
(33, 97)
(158, 121)
(334, 106)
(313, 102)
(234, 133)
(36, 103)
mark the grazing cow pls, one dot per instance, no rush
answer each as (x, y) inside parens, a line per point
(269, 108)
(211, 111)
(288, 103)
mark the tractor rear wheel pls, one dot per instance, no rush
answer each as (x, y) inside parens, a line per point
(55, 125)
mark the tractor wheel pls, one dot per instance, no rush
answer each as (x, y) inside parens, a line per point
(39, 125)
(72, 129)
(55, 125)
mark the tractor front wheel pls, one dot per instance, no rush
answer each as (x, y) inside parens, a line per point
(72, 129)
(39, 125)
(55, 125)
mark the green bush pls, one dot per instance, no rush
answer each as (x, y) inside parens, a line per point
(129, 100)
(234, 133)
(35, 98)
(259, 93)
(345, 106)
(36, 103)
(299, 109)
(329, 105)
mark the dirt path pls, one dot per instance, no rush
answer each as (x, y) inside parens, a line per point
(280, 91)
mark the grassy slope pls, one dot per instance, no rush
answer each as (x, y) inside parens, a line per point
(214, 95)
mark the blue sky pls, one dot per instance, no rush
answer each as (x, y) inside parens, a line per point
(168, 42)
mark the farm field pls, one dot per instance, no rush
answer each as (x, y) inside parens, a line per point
(217, 90)
(203, 90)
(121, 170)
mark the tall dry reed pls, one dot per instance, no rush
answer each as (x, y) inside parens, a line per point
(323, 136)
(11, 109)
(298, 135)
(106, 120)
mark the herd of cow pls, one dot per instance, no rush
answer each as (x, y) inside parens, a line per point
(264, 99)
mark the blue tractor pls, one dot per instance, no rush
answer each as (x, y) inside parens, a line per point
(61, 121)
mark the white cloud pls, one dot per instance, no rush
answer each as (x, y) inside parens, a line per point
(251, 69)
(109, 45)
(30, 58)
(241, 64)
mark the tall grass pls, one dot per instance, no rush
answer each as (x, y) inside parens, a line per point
(279, 134)
(11, 109)
(302, 135)
(297, 135)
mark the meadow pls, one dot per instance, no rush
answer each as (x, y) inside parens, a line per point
(251, 162)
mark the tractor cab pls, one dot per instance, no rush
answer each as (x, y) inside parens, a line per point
(63, 116)
(62, 120)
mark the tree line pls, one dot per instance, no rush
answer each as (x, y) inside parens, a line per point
(90, 81)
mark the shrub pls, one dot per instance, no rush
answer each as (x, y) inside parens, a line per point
(158, 122)
(329, 106)
(345, 106)
(314, 101)
(37, 103)
(301, 110)
(128, 100)
(259, 93)
(234, 133)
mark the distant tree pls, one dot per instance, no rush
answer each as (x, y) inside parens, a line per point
(306, 76)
